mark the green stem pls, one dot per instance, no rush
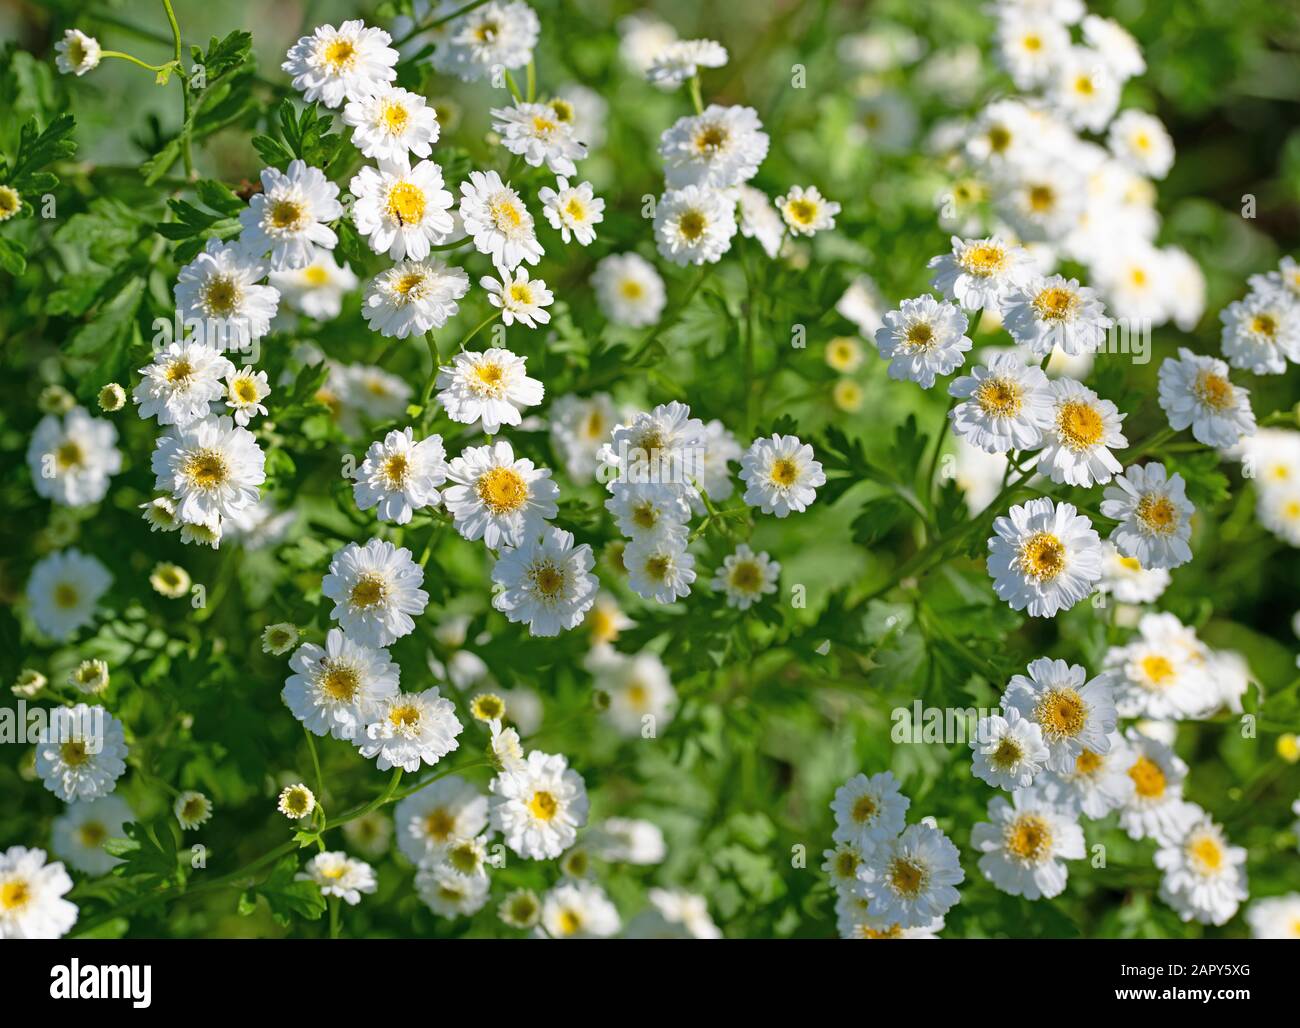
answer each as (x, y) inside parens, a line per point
(696, 99)
(315, 763)
(186, 127)
(134, 60)
(426, 26)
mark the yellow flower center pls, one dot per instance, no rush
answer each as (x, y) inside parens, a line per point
(66, 596)
(74, 753)
(439, 823)
(1079, 425)
(245, 390)
(864, 809)
(570, 922)
(919, 336)
(1158, 514)
(1214, 391)
(908, 877)
(1264, 324)
(521, 293)
(547, 579)
(15, 894)
(631, 289)
(802, 211)
(92, 834)
(221, 296)
(710, 139)
(1000, 397)
(68, 455)
(1042, 198)
(179, 371)
(340, 55)
(999, 138)
(396, 468)
(340, 682)
(1206, 853)
(1042, 556)
(692, 224)
(1061, 714)
(746, 577)
(1147, 777)
(543, 805)
(406, 203)
(1056, 304)
(206, 469)
(287, 215)
(784, 473)
(1029, 837)
(405, 717)
(369, 591)
(502, 490)
(1087, 763)
(396, 118)
(983, 259)
(1007, 755)
(316, 275)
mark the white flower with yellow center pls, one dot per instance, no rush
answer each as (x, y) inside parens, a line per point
(279, 638)
(606, 620)
(1155, 808)
(1138, 283)
(391, 123)
(1024, 843)
(79, 833)
(720, 148)
(629, 290)
(410, 729)
(518, 298)
(1279, 512)
(412, 297)
(1164, 674)
(495, 35)
(505, 750)
(534, 132)
(63, 590)
(1030, 45)
(572, 210)
(338, 690)
(1262, 332)
(1277, 917)
(1084, 90)
(447, 891)
(218, 295)
(180, 384)
(350, 62)
(439, 814)
(1006, 404)
(923, 338)
(746, 577)
(520, 909)
(780, 475)
(759, 219)
(317, 289)
(664, 447)
(1008, 752)
(713, 470)
(639, 689)
(192, 810)
(400, 476)
(245, 391)
(1055, 312)
(10, 203)
(31, 896)
(496, 217)
(213, 469)
(89, 677)
(496, 498)
(73, 457)
(1205, 877)
(979, 273)
(648, 511)
(694, 224)
(1154, 516)
(869, 812)
(1001, 135)
(288, 217)
(1042, 200)
(206, 531)
(806, 212)
(540, 807)
(402, 210)
(1142, 142)
(339, 875)
(296, 801)
(1117, 49)
(1073, 715)
(491, 386)
(376, 591)
(1286, 277)
(1127, 580)
(1083, 431)
(81, 753)
(911, 879)
(659, 569)
(545, 581)
(1195, 391)
(77, 52)
(841, 865)
(1097, 783)
(579, 910)
(682, 59)
(579, 426)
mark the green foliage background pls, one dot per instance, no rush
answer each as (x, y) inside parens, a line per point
(779, 707)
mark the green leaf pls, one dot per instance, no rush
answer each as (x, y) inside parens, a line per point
(285, 896)
(13, 256)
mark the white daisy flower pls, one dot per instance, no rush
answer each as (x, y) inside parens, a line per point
(410, 728)
(1054, 312)
(1127, 580)
(1138, 283)
(673, 914)
(212, 467)
(980, 273)
(296, 801)
(572, 210)
(535, 133)
(89, 677)
(641, 38)
(391, 123)
(648, 511)
(339, 875)
(245, 391)
(400, 476)
(910, 880)
(317, 289)
(1271, 457)
(1008, 752)
(1141, 141)
(1000, 135)
(1041, 200)
(546, 582)
(759, 219)
(350, 62)
(746, 577)
(1164, 673)
(217, 294)
(339, 689)
(659, 569)
(1277, 917)
(204, 532)
(181, 383)
(694, 224)
(720, 148)
(1279, 512)
(280, 638)
(72, 458)
(31, 895)
(1285, 277)
(1117, 49)
(1205, 878)
(505, 749)
(79, 833)
(491, 386)
(780, 475)
(519, 299)
(682, 59)
(448, 892)
(496, 498)
(806, 212)
(402, 210)
(1083, 431)
(412, 297)
(496, 217)
(192, 810)
(442, 812)
(629, 290)
(606, 620)
(1154, 515)
(63, 590)
(628, 840)
(639, 688)
(663, 447)
(1097, 783)
(81, 753)
(495, 35)
(78, 54)
(160, 514)
(1155, 809)
(288, 217)
(579, 426)
(841, 865)
(376, 591)
(713, 471)
(869, 811)
(923, 338)
(1072, 716)
(1262, 332)
(1195, 391)
(1023, 844)
(1030, 46)
(579, 910)
(1084, 90)
(1006, 405)
(539, 808)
